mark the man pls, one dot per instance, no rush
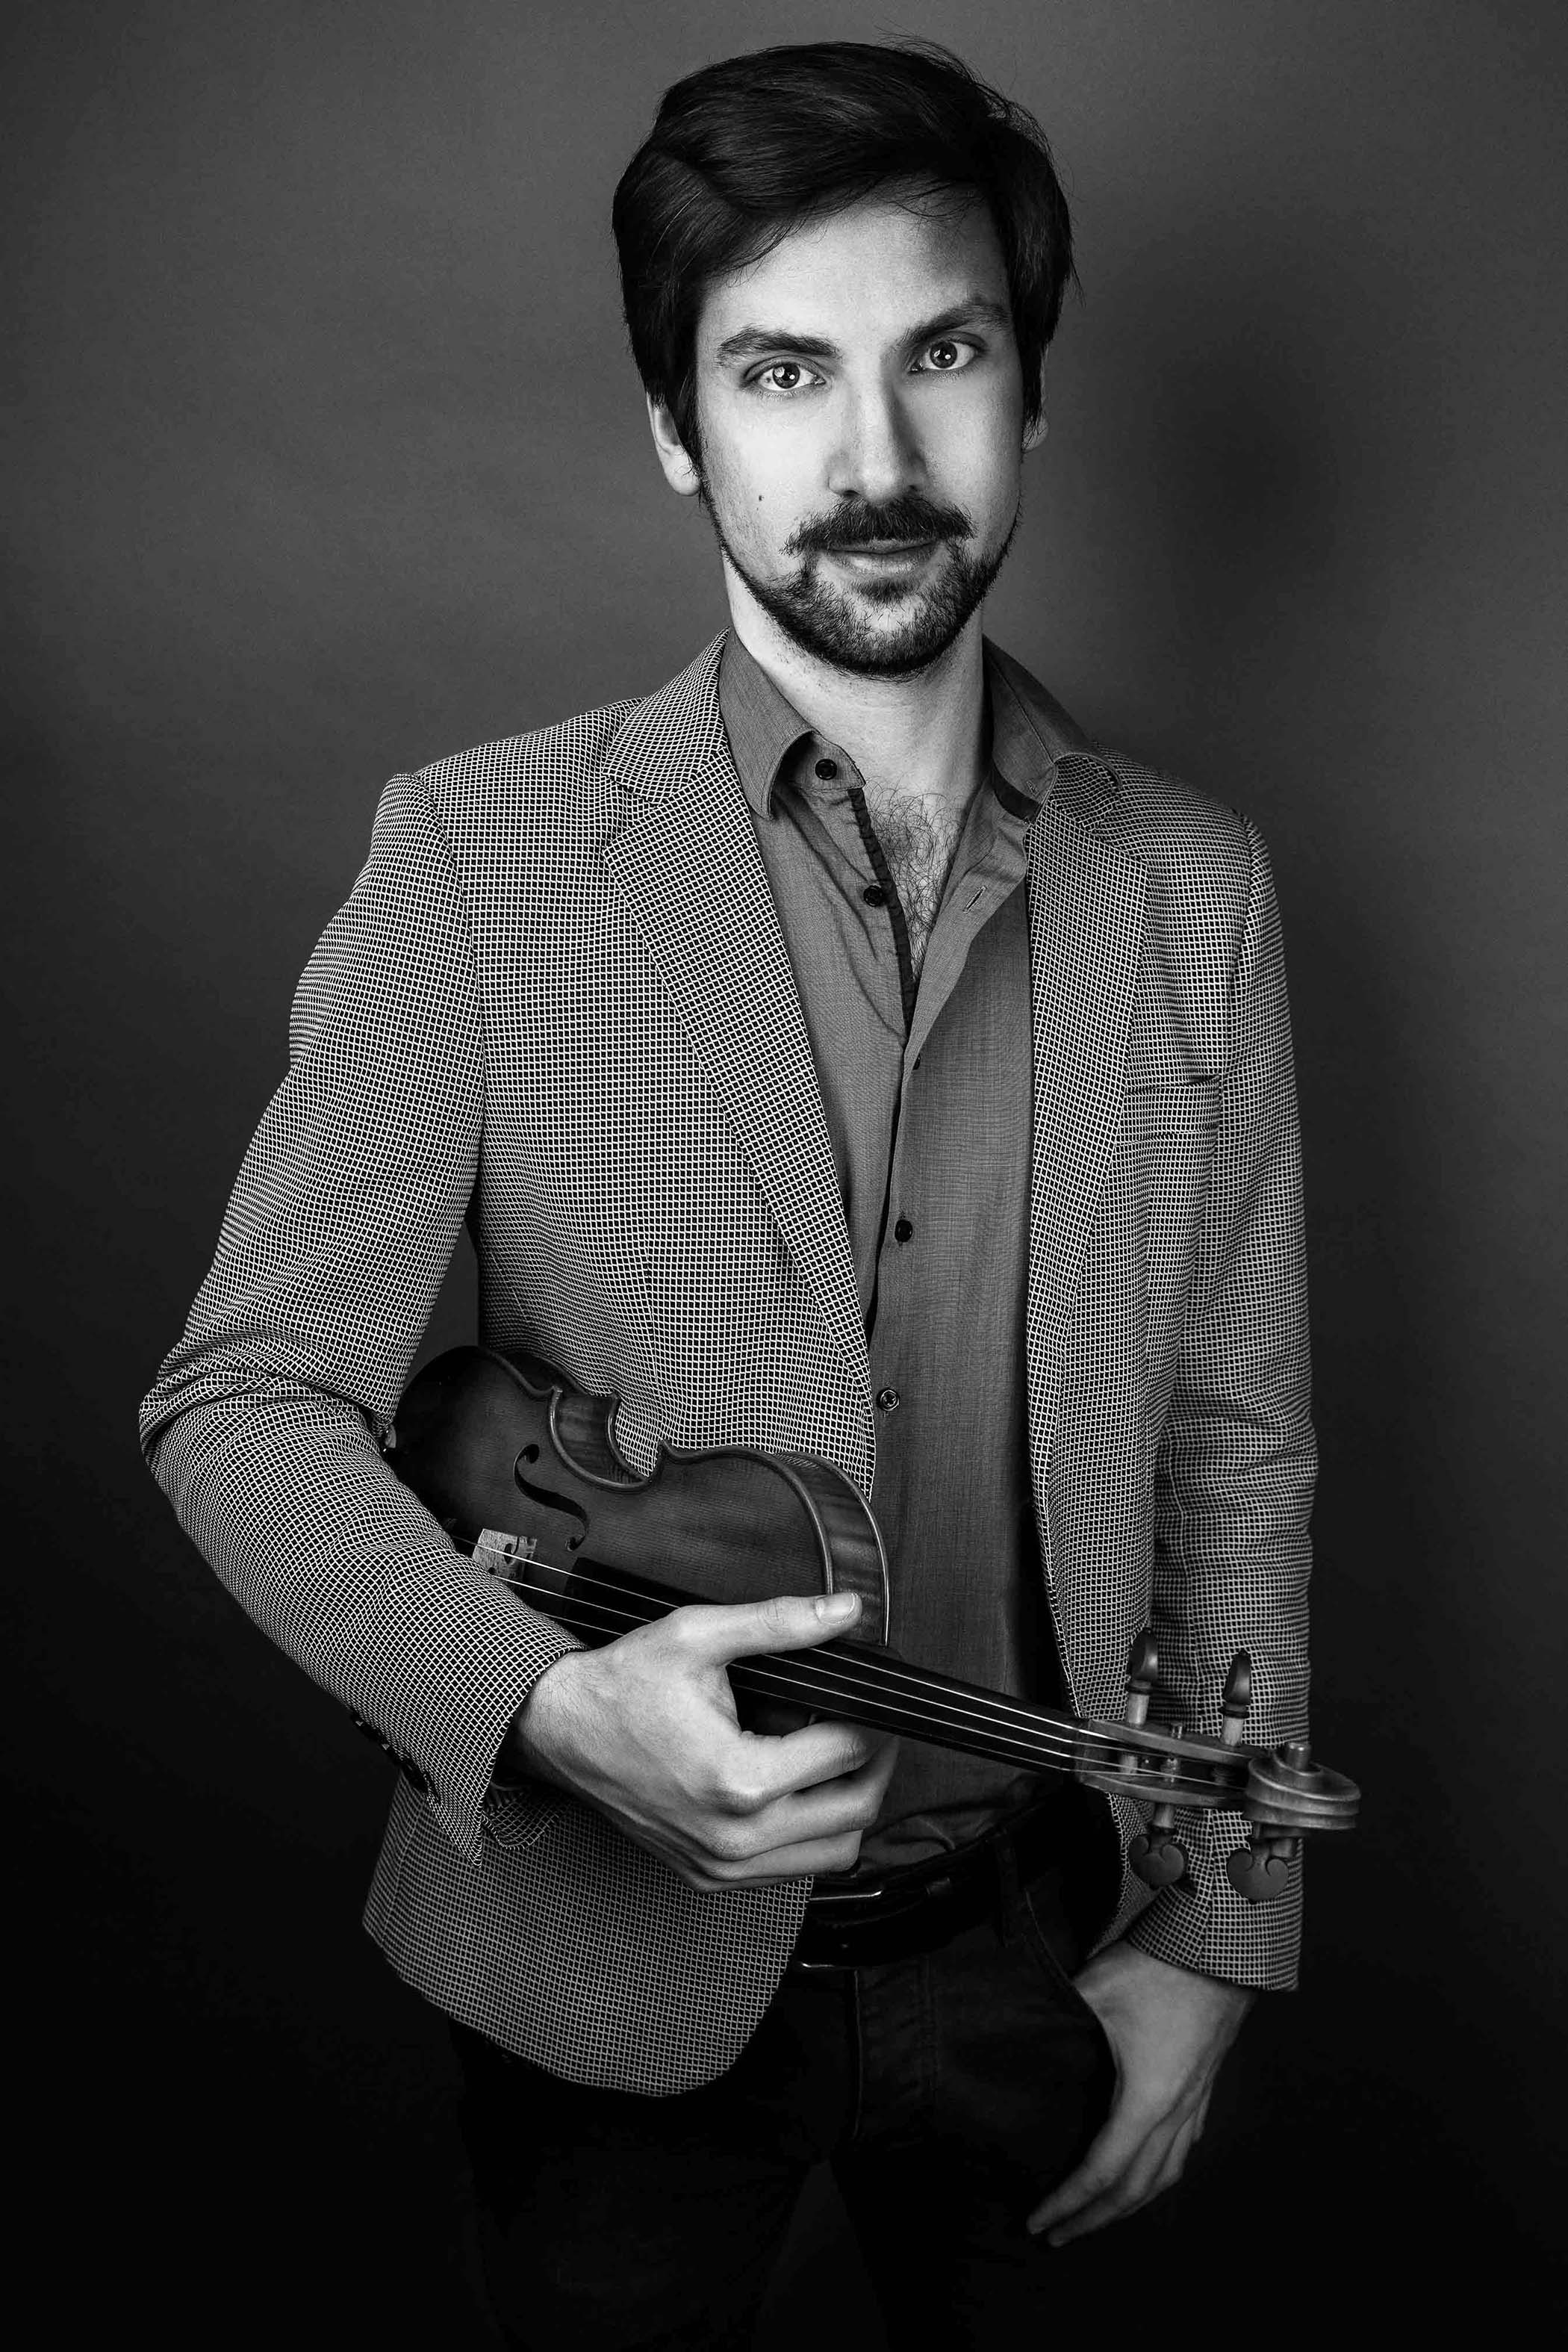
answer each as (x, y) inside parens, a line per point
(834, 1052)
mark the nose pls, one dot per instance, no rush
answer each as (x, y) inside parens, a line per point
(878, 455)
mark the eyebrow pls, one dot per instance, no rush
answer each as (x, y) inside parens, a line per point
(750, 342)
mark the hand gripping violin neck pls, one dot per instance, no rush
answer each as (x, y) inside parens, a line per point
(523, 1474)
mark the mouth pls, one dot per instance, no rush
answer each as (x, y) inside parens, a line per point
(885, 555)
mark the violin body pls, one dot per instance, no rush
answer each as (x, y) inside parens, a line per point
(523, 1474)
(492, 1442)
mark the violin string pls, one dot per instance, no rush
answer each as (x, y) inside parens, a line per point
(788, 1677)
(808, 1681)
(916, 1684)
(1148, 1784)
(797, 1678)
(819, 1680)
(952, 1705)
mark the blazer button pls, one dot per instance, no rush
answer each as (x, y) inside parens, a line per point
(887, 1399)
(904, 1231)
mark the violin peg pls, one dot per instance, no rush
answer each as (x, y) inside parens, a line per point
(1261, 1870)
(1143, 1665)
(1237, 1699)
(1143, 1661)
(1158, 1859)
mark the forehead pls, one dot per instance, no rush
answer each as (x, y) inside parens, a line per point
(865, 274)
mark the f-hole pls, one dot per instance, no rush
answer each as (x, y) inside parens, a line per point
(549, 1499)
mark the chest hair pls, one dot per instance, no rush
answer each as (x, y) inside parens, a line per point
(918, 839)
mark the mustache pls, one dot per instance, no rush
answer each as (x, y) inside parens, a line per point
(909, 518)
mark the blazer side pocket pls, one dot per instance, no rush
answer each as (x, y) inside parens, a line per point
(1192, 1107)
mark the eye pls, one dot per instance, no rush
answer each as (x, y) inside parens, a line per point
(946, 357)
(784, 376)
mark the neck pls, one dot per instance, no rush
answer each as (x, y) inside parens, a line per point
(916, 739)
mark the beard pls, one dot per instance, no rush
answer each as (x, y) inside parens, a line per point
(840, 625)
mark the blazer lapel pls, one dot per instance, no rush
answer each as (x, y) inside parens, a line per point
(1086, 927)
(686, 861)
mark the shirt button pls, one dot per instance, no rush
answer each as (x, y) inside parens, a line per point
(904, 1231)
(887, 1399)
(827, 769)
(874, 895)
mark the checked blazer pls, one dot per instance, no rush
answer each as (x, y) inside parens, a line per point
(557, 1004)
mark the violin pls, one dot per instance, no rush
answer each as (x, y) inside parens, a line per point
(523, 1473)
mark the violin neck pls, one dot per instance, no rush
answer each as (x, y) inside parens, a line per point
(859, 1684)
(919, 1705)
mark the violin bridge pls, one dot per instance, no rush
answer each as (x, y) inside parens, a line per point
(500, 1554)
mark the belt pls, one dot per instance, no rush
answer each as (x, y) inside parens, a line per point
(896, 1914)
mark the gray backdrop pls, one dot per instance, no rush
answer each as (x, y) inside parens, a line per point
(328, 458)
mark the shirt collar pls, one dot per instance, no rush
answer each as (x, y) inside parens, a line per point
(1031, 735)
(764, 727)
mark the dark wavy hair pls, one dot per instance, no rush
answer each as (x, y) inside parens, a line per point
(746, 150)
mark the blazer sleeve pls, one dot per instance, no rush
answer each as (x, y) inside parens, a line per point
(1234, 1476)
(264, 1422)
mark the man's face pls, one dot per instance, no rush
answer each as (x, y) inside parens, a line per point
(860, 404)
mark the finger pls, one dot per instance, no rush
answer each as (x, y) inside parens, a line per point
(844, 1807)
(1123, 2133)
(1178, 2157)
(761, 1770)
(811, 1858)
(834, 1751)
(1125, 2199)
(1158, 2165)
(743, 1629)
(713, 1874)
(1132, 2141)
(1119, 2198)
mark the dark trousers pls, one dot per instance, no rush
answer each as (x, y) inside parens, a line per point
(948, 2092)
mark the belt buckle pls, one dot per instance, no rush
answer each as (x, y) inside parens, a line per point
(857, 1906)
(863, 1908)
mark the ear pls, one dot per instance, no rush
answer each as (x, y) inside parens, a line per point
(679, 471)
(1036, 433)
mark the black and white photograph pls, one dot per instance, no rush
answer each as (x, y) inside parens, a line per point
(790, 966)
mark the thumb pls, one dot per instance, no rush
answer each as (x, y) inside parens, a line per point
(787, 1621)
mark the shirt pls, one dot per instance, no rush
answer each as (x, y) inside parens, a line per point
(926, 1086)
